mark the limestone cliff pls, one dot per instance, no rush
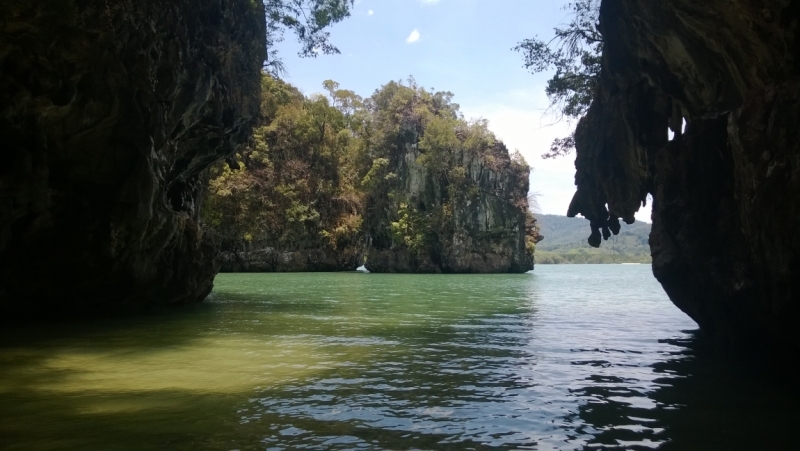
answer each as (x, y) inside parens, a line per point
(287, 202)
(399, 180)
(481, 221)
(479, 224)
(727, 188)
(270, 259)
(109, 111)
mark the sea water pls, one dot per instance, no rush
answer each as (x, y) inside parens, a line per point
(568, 357)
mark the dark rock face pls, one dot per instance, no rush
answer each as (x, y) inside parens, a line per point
(488, 231)
(109, 111)
(307, 260)
(727, 189)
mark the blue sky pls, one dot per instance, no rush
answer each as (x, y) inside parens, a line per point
(461, 46)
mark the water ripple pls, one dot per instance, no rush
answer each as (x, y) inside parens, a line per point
(568, 358)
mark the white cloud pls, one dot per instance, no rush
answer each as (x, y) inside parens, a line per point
(370, 12)
(525, 129)
(430, 1)
(413, 37)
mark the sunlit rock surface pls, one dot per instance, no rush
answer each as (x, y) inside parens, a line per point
(727, 188)
(488, 228)
(109, 111)
(481, 227)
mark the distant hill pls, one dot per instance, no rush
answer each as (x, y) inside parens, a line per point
(565, 242)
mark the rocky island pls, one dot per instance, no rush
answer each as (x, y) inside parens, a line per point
(399, 182)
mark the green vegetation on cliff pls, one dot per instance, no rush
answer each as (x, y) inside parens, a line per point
(340, 176)
(293, 187)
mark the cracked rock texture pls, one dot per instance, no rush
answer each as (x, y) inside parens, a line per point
(275, 260)
(488, 229)
(109, 112)
(727, 188)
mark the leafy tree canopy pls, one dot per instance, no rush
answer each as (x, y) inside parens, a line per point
(575, 54)
(323, 172)
(308, 19)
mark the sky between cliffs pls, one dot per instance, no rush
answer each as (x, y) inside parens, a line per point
(462, 46)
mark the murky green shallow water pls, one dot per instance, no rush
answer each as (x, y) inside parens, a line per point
(570, 357)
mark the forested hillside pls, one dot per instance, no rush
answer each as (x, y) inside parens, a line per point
(565, 242)
(400, 180)
(293, 186)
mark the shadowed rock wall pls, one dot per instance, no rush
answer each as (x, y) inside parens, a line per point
(727, 188)
(109, 111)
(276, 260)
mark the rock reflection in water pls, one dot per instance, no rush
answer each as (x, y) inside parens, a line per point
(695, 401)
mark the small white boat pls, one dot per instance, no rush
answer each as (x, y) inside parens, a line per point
(363, 269)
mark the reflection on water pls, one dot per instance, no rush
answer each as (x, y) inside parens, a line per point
(571, 357)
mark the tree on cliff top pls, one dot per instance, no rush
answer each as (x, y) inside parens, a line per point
(575, 53)
(308, 20)
(322, 172)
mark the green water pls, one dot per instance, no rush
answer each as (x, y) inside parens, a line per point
(570, 357)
